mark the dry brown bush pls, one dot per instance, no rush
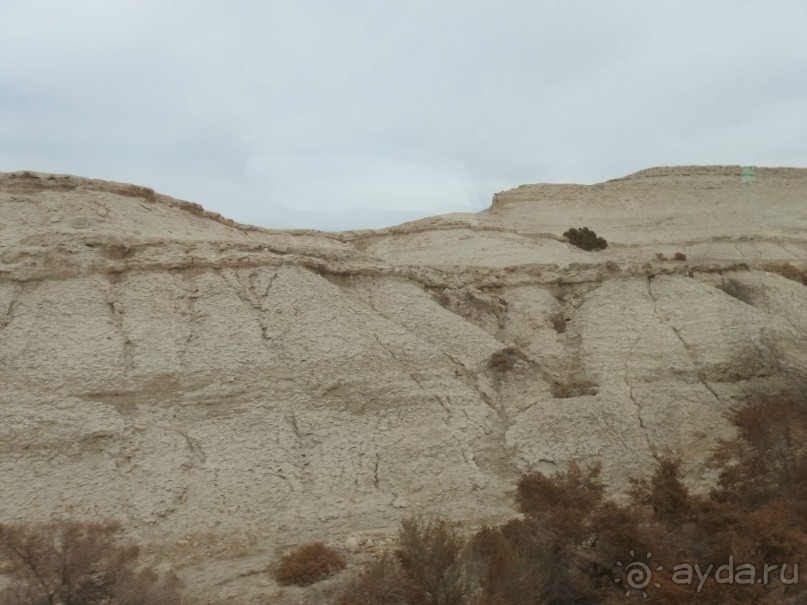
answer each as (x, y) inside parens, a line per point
(308, 564)
(756, 515)
(78, 563)
(679, 256)
(563, 502)
(768, 459)
(660, 256)
(664, 492)
(514, 567)
(506, 359)
(585, 239)
(382, 582)
(431, 554)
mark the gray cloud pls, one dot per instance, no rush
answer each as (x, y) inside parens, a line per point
(360, 114)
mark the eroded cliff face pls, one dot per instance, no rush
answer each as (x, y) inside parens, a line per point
(212, 383)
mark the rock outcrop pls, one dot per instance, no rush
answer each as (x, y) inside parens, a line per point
(229, 389)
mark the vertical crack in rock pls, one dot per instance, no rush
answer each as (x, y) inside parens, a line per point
(185, 308)
(445, 407)
(261, 296)
(117, 313)
(387, 348)
(368, 302)
(632, 394)
(692, 357)
(473, 380)
(708, 387)
(630, 384)
(198, 455)
(249, 292)
(491, 454)
(375, 471)
(13, 302)
(295, 427)
(301, 462)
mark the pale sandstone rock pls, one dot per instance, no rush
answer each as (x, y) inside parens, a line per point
(352, 543)
(181, 372)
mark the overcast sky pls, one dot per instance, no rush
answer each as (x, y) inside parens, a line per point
(353, 114)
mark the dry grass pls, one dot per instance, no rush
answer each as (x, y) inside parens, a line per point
(506, 359)
(567, 390)
(308, 564)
